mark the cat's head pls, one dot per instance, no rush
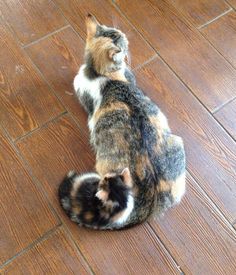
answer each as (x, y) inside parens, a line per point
(114, 191)
(106, 47)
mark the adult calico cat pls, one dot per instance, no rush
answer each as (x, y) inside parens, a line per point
(140, 164)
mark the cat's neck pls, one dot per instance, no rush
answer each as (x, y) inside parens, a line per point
(117, 75)
(113, 75)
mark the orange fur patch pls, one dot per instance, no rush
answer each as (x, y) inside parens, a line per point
(118, 75)
(142, 163)
(175, 187)
(98, 48)
(88, 216)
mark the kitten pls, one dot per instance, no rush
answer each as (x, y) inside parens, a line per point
(140, 165)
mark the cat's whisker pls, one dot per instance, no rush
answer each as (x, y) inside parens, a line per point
(128, 58)
(114, 21)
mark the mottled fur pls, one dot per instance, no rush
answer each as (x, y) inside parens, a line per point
(140, 164)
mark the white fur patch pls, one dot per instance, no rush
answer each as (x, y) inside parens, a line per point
(178, 188)
(86, 176)
(79, 179)
(93, 87)
(130, 205)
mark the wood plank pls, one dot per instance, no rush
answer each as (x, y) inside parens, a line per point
(59, 57)
(195, 232)
(54, 255)
(201, 11)
(227, 117)
(75, 11)
(232, 3)
(63, 147)
(31, 20)
(222, 34)
(206, 72)
(210, 151)
(25, 214)
(26, 102)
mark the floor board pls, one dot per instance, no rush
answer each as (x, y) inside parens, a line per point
(201, 241)
(227, 117)
(208, 146)
(30, 20)
(185, 50)
(25, 214)
(58, 58)
(222, 35)
(26, 101)
(200, 12)
(232, 3)
(54, 255)
(123, 252)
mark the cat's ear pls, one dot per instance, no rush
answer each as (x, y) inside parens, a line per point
(112, 53)
(102, 195)
(127, 178)
(91, 25)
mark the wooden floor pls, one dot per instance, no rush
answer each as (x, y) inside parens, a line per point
(184, 56)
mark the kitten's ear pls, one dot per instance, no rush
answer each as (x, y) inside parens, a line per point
(102, 195)
(127, 177)
(91, 25)
(112, 52)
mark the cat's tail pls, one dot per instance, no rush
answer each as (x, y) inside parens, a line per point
(64, 192)
(169, 193)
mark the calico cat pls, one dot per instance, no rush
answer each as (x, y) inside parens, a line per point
(140, 164)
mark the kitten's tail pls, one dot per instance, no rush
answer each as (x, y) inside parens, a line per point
(64, 193)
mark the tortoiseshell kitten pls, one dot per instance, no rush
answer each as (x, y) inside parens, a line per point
(140, 164)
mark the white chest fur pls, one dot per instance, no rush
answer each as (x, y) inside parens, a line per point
(82, 84)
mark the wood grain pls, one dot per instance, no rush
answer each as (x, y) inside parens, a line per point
(210, 151)
(201, 11)
(195, 232)
(222, 35)
(59, 57)
(206, 72)
(232, 3)
(75, 11)
(26, 102)
(62, 147)
(31, 19)
(25, 214)
(54, 255)
(227, 117)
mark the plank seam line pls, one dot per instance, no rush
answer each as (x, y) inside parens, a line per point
(45, 36)
(223, 217)
(40, 127)
(227, 1)
(27, 166)
(162, 244)
(176, 75)
(31, 174)
(216, 110)
(44, 237)
(213, 46)
(215, 19)
(52, 88)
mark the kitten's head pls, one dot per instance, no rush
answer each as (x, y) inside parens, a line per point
(114, 191)
(106, 47)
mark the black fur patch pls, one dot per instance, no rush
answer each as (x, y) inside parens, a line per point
(90, 72)
(87, 101)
